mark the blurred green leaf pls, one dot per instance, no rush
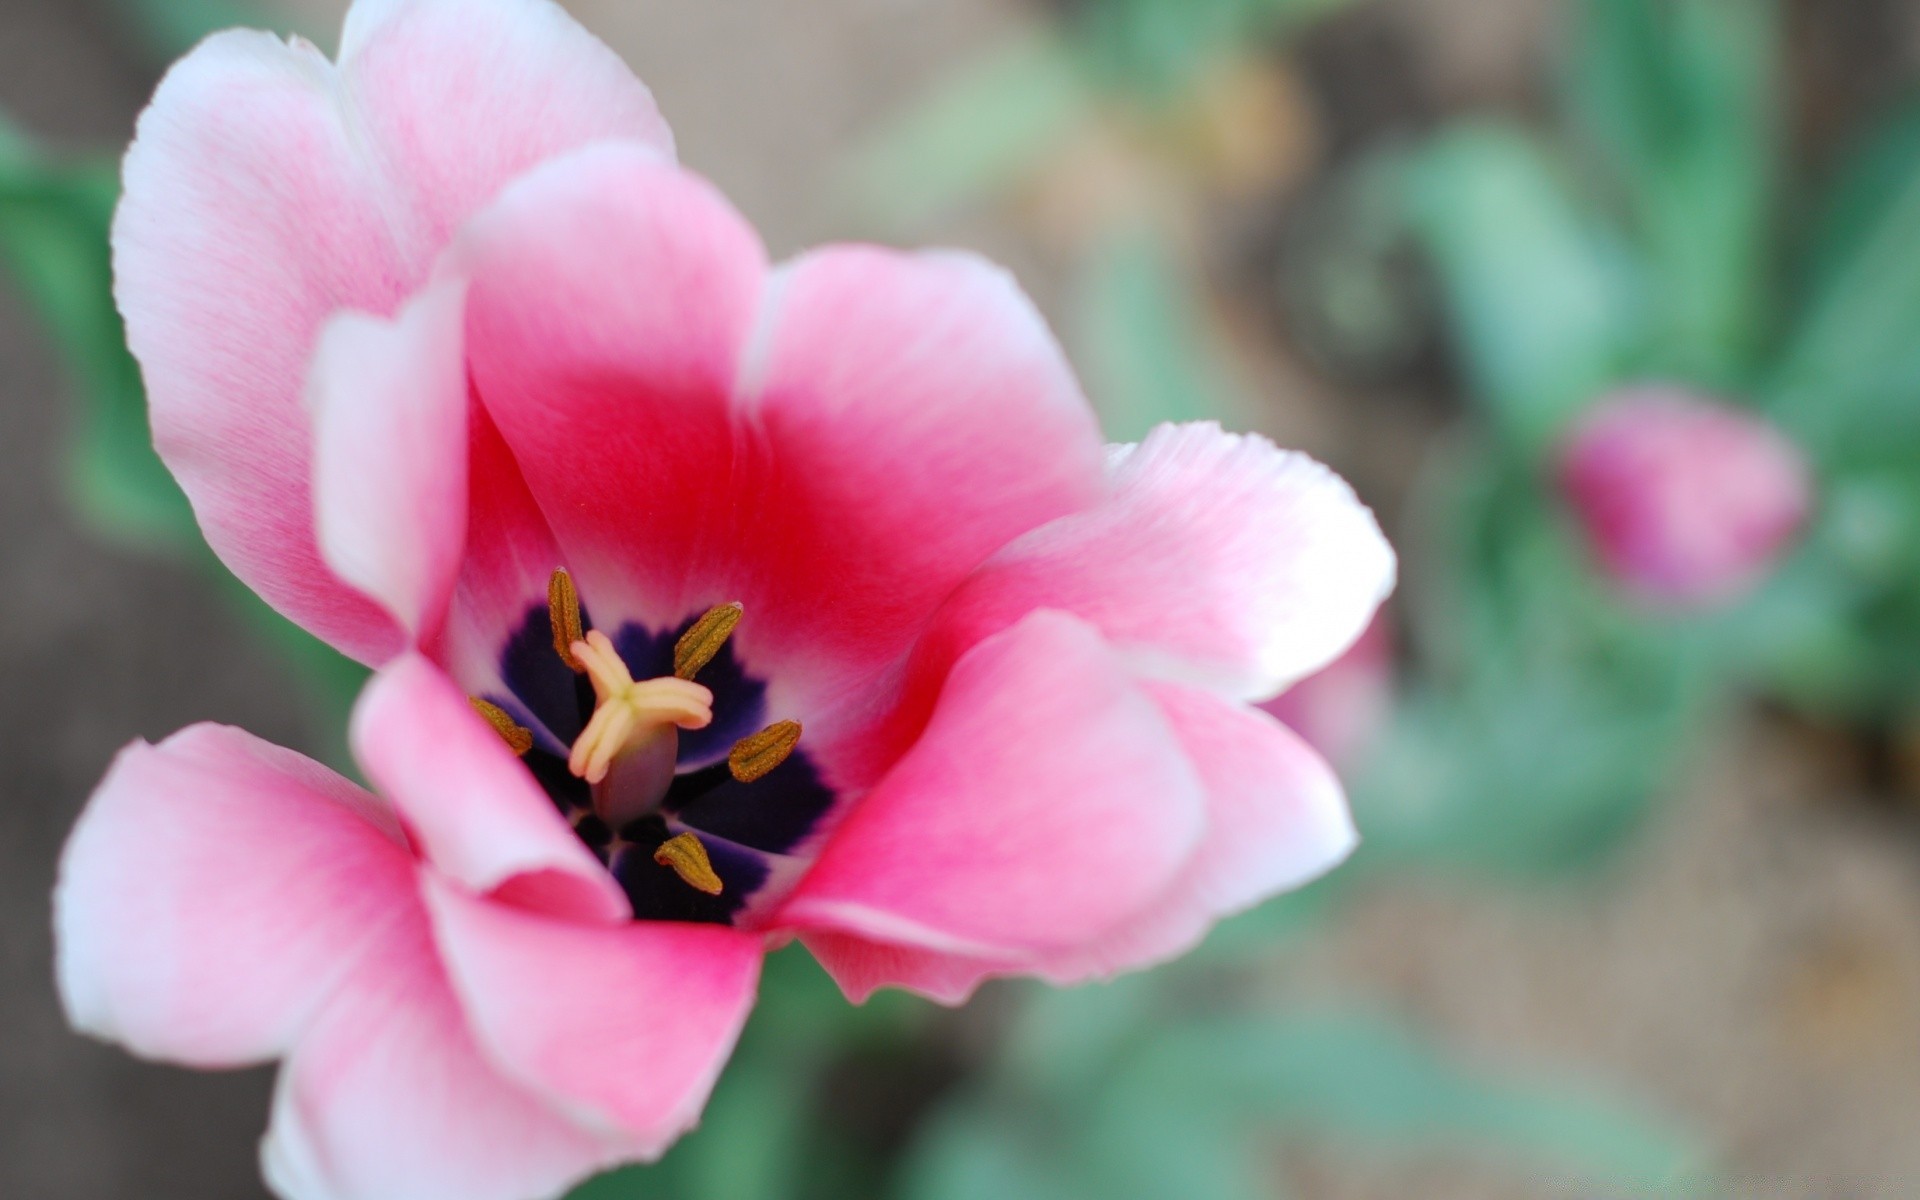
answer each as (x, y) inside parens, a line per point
(1679, 95)
(1370, 1079)
(54, 220)
(1154, 49)
(1846, 383)
(1143, 343)
(1539, 296)
(975, 133)
(1189, 1106)
(170, 28)
(986, 1150)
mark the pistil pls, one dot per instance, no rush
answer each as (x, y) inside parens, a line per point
(629, 749)
(628, 714)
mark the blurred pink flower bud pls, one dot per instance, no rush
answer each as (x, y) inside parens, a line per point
(1339, 709)
(1686, 502)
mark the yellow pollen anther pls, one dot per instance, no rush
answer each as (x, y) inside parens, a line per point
(627, 716)
(518, 737)
(756, 756)
(563, 611)
(689, 861)
(698, 645)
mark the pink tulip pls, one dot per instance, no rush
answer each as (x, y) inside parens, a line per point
(714, 606)
(1686, 502)
(1342, 707)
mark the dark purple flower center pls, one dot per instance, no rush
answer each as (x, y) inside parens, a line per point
(748, 830)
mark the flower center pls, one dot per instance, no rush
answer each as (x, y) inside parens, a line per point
(627, 751)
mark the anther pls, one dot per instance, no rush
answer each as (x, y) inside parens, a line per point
(518, 737)
(756, 756)
(563, 612)
(688, 859)
(698, 645)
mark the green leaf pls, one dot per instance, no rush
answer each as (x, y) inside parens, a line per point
(170, 28)
(1845, 385)
(1144, 348)
(1371, 1079)
(1679, 96)
(975, 133)
(1155, 49)
(1539, 296)
(986, 1150)
(54, 221)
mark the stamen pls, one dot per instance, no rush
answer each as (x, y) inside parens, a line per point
(518, 737)
(698, 645)
(756, 756)
(563, 612)
(689, 861)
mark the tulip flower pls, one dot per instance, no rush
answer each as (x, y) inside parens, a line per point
(714, 605)
(1686, 502)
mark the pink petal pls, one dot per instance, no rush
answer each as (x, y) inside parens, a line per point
(390, 453)
(918, 415)
(611, 295)
(267, 190)
(1219, 559)
(479, 815)
(863, 967)
(894, 420)
(214, 892)
(624, 1027)
(458, 97)
(387, 1097)
(1276, 818)
(1046, 802)
(1341, 709)
(503, 576)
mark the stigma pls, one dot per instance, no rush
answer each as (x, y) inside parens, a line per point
(635, 726)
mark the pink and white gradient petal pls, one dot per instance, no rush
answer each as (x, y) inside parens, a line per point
(479, 816)
(1276, 818)
(387, 1097)
(622, 1028)
(389, 402)
(1277, 815)
(1220, 560)
(911, 414)
(214, 893)
(455, 98)
(1046, 802)
(268, 189)
(611, 295)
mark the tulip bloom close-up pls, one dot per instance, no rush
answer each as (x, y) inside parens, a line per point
(714, 605)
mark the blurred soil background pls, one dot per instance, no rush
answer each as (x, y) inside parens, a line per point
(1751, 965)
